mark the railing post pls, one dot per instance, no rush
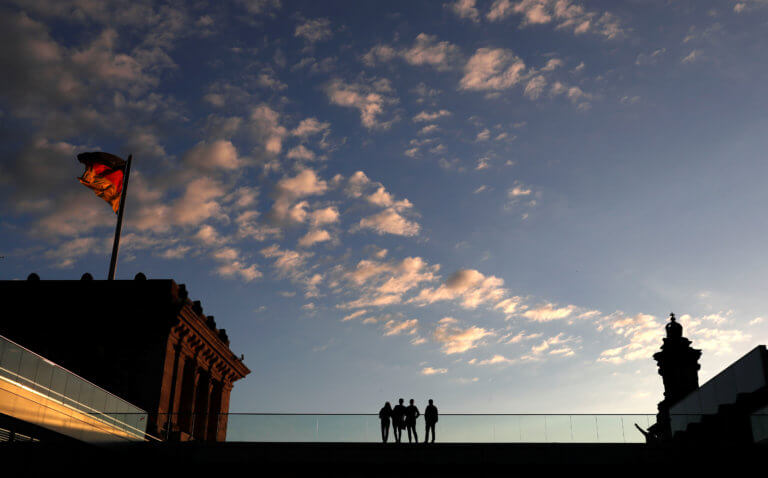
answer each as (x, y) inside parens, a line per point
(597, 430)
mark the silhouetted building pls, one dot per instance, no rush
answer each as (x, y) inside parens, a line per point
(142, 340)
(679, 368)
(730, 408)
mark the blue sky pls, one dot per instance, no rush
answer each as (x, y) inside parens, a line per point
(494, 204)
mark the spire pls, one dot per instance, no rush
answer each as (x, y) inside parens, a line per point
(674, 329)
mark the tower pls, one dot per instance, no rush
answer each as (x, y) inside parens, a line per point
(678, 364)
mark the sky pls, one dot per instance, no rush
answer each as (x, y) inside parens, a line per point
(493, 203)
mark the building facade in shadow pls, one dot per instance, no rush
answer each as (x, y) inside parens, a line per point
(142, 340)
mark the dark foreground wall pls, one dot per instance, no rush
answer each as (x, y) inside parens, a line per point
(332, 459)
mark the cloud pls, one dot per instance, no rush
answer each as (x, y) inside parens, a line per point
(301, 152)
(313, 236)
(385, 282)
(389, 221)
(433, 371)
(428, 116)
(369, 100)
(643, 331)
(426, 50)
(199, 202)
(535, 87)
(520, 337)
(288, 262)
(291, 188)
(566, 15)
(310, 126)
(454, 339)
(394, 327)
(549, 312)
(509, 306)
(552, 346)
(220, 154)
(315, 30)
(266, 130)
(469, 286)
(518, 191)
(464, 9)
(500, 9)
(692, 56)
(354, 315)
(233, 266)
(495, 360)
(259, 7)
(492, 69)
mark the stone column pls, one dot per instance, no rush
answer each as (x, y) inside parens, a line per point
(214, 410)
(187, 395)
(226, 390)
(202, 398)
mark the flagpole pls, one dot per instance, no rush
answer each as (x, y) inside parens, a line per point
(116, 244)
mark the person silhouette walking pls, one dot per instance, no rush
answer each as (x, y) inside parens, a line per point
(411, 414)
(398, 420)
(430, 418)
(384, 415)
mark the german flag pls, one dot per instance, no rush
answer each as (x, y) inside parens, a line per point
(104, 173)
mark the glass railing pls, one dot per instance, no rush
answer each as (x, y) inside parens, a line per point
(41, 392)
(451, 428)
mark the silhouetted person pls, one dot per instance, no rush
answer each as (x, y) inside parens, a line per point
(411, 414)
(385, 414)
(398, 420)
(430, 418)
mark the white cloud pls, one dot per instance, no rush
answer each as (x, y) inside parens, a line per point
(310, 126)
(692, 56)
(301, 152)
(289, 189)
(219, 154)
(535, 87)
(492, 69)
(258, 7)
(464, 9)
(233, 266)
(433, 371)
(314, 30)
(500, 9)
(428, 116)
(394, 327)
(266, 129)
(369, 101)
(289, 263)
(389, 221)
(549, 312)
(566, 15)
(426, 50)
(313, 236)
(468, 285)
(495, 360)
(454, 339)
(354, 315)
(385, 283)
